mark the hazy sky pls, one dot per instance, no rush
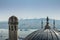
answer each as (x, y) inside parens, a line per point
(29, 9)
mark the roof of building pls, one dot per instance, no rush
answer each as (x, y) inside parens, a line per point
(44, 34)
(13, 20)
(13, 17)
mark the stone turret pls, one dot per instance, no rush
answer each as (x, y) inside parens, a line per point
(13, 28)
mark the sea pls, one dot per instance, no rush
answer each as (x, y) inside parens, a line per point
(4, 33)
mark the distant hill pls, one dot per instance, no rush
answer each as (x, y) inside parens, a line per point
(31, 23)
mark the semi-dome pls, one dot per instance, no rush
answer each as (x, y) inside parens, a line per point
(44, 34)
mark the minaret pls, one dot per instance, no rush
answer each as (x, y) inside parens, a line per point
(47, 24)
(53, 24)
(13, 28)
(41, 24)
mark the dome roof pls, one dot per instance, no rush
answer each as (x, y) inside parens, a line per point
(13, 17)
(13, 20)
(43, 35)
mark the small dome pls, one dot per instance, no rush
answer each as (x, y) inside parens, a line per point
(13, 19)
(43, 35)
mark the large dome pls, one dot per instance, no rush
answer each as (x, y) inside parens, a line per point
(44, 34)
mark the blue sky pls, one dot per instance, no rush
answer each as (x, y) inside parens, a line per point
(29, 9)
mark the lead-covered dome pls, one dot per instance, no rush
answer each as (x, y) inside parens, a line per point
(44, 34)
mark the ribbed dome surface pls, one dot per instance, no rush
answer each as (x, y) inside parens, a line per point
(47, 34)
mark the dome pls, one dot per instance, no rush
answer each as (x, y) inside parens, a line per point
(44, 34)
(13, 17)
(13, 20)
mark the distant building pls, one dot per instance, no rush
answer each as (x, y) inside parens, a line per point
(44, 34)
(13, 28)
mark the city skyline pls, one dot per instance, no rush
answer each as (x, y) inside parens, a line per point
(29, 9)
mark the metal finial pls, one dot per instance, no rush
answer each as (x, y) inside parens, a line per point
(47, 20)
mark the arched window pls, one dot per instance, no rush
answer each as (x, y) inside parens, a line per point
(12, 28)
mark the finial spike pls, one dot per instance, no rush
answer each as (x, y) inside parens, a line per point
(47, 20)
